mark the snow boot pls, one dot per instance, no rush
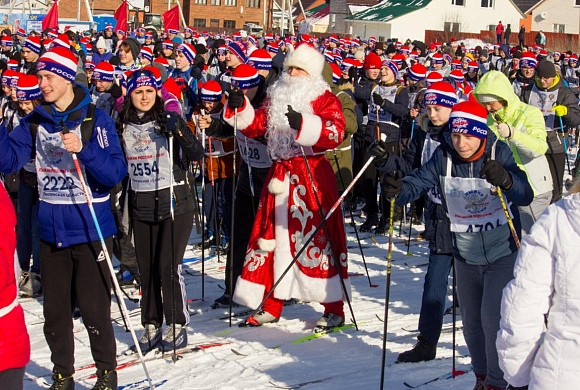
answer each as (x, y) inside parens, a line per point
(224, 247)
(106, 380)
(422, 351)
(328, 321)
(149, 339)
(479, 382)
(370, 223)
(30, 285)
(260, 318)
(223, 302)
(60, 382)
(166, 345)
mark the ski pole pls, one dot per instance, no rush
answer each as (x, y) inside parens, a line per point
(233, 211)
(217, 235)
(565, 147)
(313, 234)
(203, 216)
(412, 130)
(453, 374)
(388, 291)
(509, 219)
(107, 256)
(174, 357)
(122, 314)
(410, 230)
(327, 233)
(353, 223)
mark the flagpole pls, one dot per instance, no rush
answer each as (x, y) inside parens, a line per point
(181, 14)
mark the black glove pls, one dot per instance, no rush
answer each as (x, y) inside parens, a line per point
(236, 99)
(294, 118)
(378, 99)
(116, 91)
(170, 123)
(392, 185)
(379, 149)
(495, 174)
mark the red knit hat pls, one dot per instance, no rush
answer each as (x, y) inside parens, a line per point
(457, 75)
(27, 88)
(246, 76)
(260, 59)
(211, 91)
(440, 94)
(417, 72)
(433, 77)
(372, 61)
(336, 73)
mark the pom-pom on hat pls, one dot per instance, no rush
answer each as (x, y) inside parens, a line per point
(61, 41)
(27, 88)
(104, 71)
(238, 50)
(336, 73)
(469, 118)
(12, 65)
(372, 61)
(417, 72)
(260, 59)
(211, 91)
(441, 94)
(457, 75)
(59, 61)
(147, 53)
(188, 51)
(7, 41)
(528, 59)
(141, 78)
(167, 44)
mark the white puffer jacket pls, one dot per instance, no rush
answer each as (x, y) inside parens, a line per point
(547, 281)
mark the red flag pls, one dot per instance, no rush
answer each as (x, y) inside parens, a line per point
(51, 18)
(171, 19)
(121, 17)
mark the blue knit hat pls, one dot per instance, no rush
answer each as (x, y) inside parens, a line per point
(141, 78)
(188, 51)
(239, 50)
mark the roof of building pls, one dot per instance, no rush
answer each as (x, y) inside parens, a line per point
(388, 10)
(526, 5)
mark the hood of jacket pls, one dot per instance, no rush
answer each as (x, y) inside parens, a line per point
(430, 128)
(496, 83)
(555, 85)
(74, 113)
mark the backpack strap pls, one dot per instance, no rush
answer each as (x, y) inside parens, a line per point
(88, 124)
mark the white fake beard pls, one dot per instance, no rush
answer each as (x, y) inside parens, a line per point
(298, 92)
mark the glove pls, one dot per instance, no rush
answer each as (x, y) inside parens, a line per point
(495, 174)
(379, 150)
(294, 118)
(170, 123)
(236, 99)
(560, 110)
(378, 99)
(504, 130)
(116, 91)
(392, 185)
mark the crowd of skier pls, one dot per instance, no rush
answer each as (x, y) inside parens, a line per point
(105, 137)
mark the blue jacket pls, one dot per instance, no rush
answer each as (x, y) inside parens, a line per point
(437, 225)
(101, 57)
(479, 247)
(102, 157)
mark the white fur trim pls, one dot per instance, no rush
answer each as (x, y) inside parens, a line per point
(248, 293)
(310, 131)
(307, 58)
(296, 284)
(246, 115)
(266, 245)
(275, 186)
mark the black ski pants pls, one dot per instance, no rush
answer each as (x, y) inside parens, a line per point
(73, 275)
(557, 164)
(153, 250)
(243, 223)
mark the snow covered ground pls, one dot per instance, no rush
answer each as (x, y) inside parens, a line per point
(348, 359)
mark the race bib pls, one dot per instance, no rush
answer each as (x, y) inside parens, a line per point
(253, 152)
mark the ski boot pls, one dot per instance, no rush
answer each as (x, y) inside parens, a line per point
(260, 318)
(223, 302)
(149, 339)
(209, 240)
(328, 322)
(423, 351)
(106, 380)
(60, 382)
(166, 345)
(372, 221)
(224, 246)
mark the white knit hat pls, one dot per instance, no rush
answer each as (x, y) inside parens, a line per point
(307, 58)
(101, 43)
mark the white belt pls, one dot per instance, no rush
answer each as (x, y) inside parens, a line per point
(8, 309)
(93, 200)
